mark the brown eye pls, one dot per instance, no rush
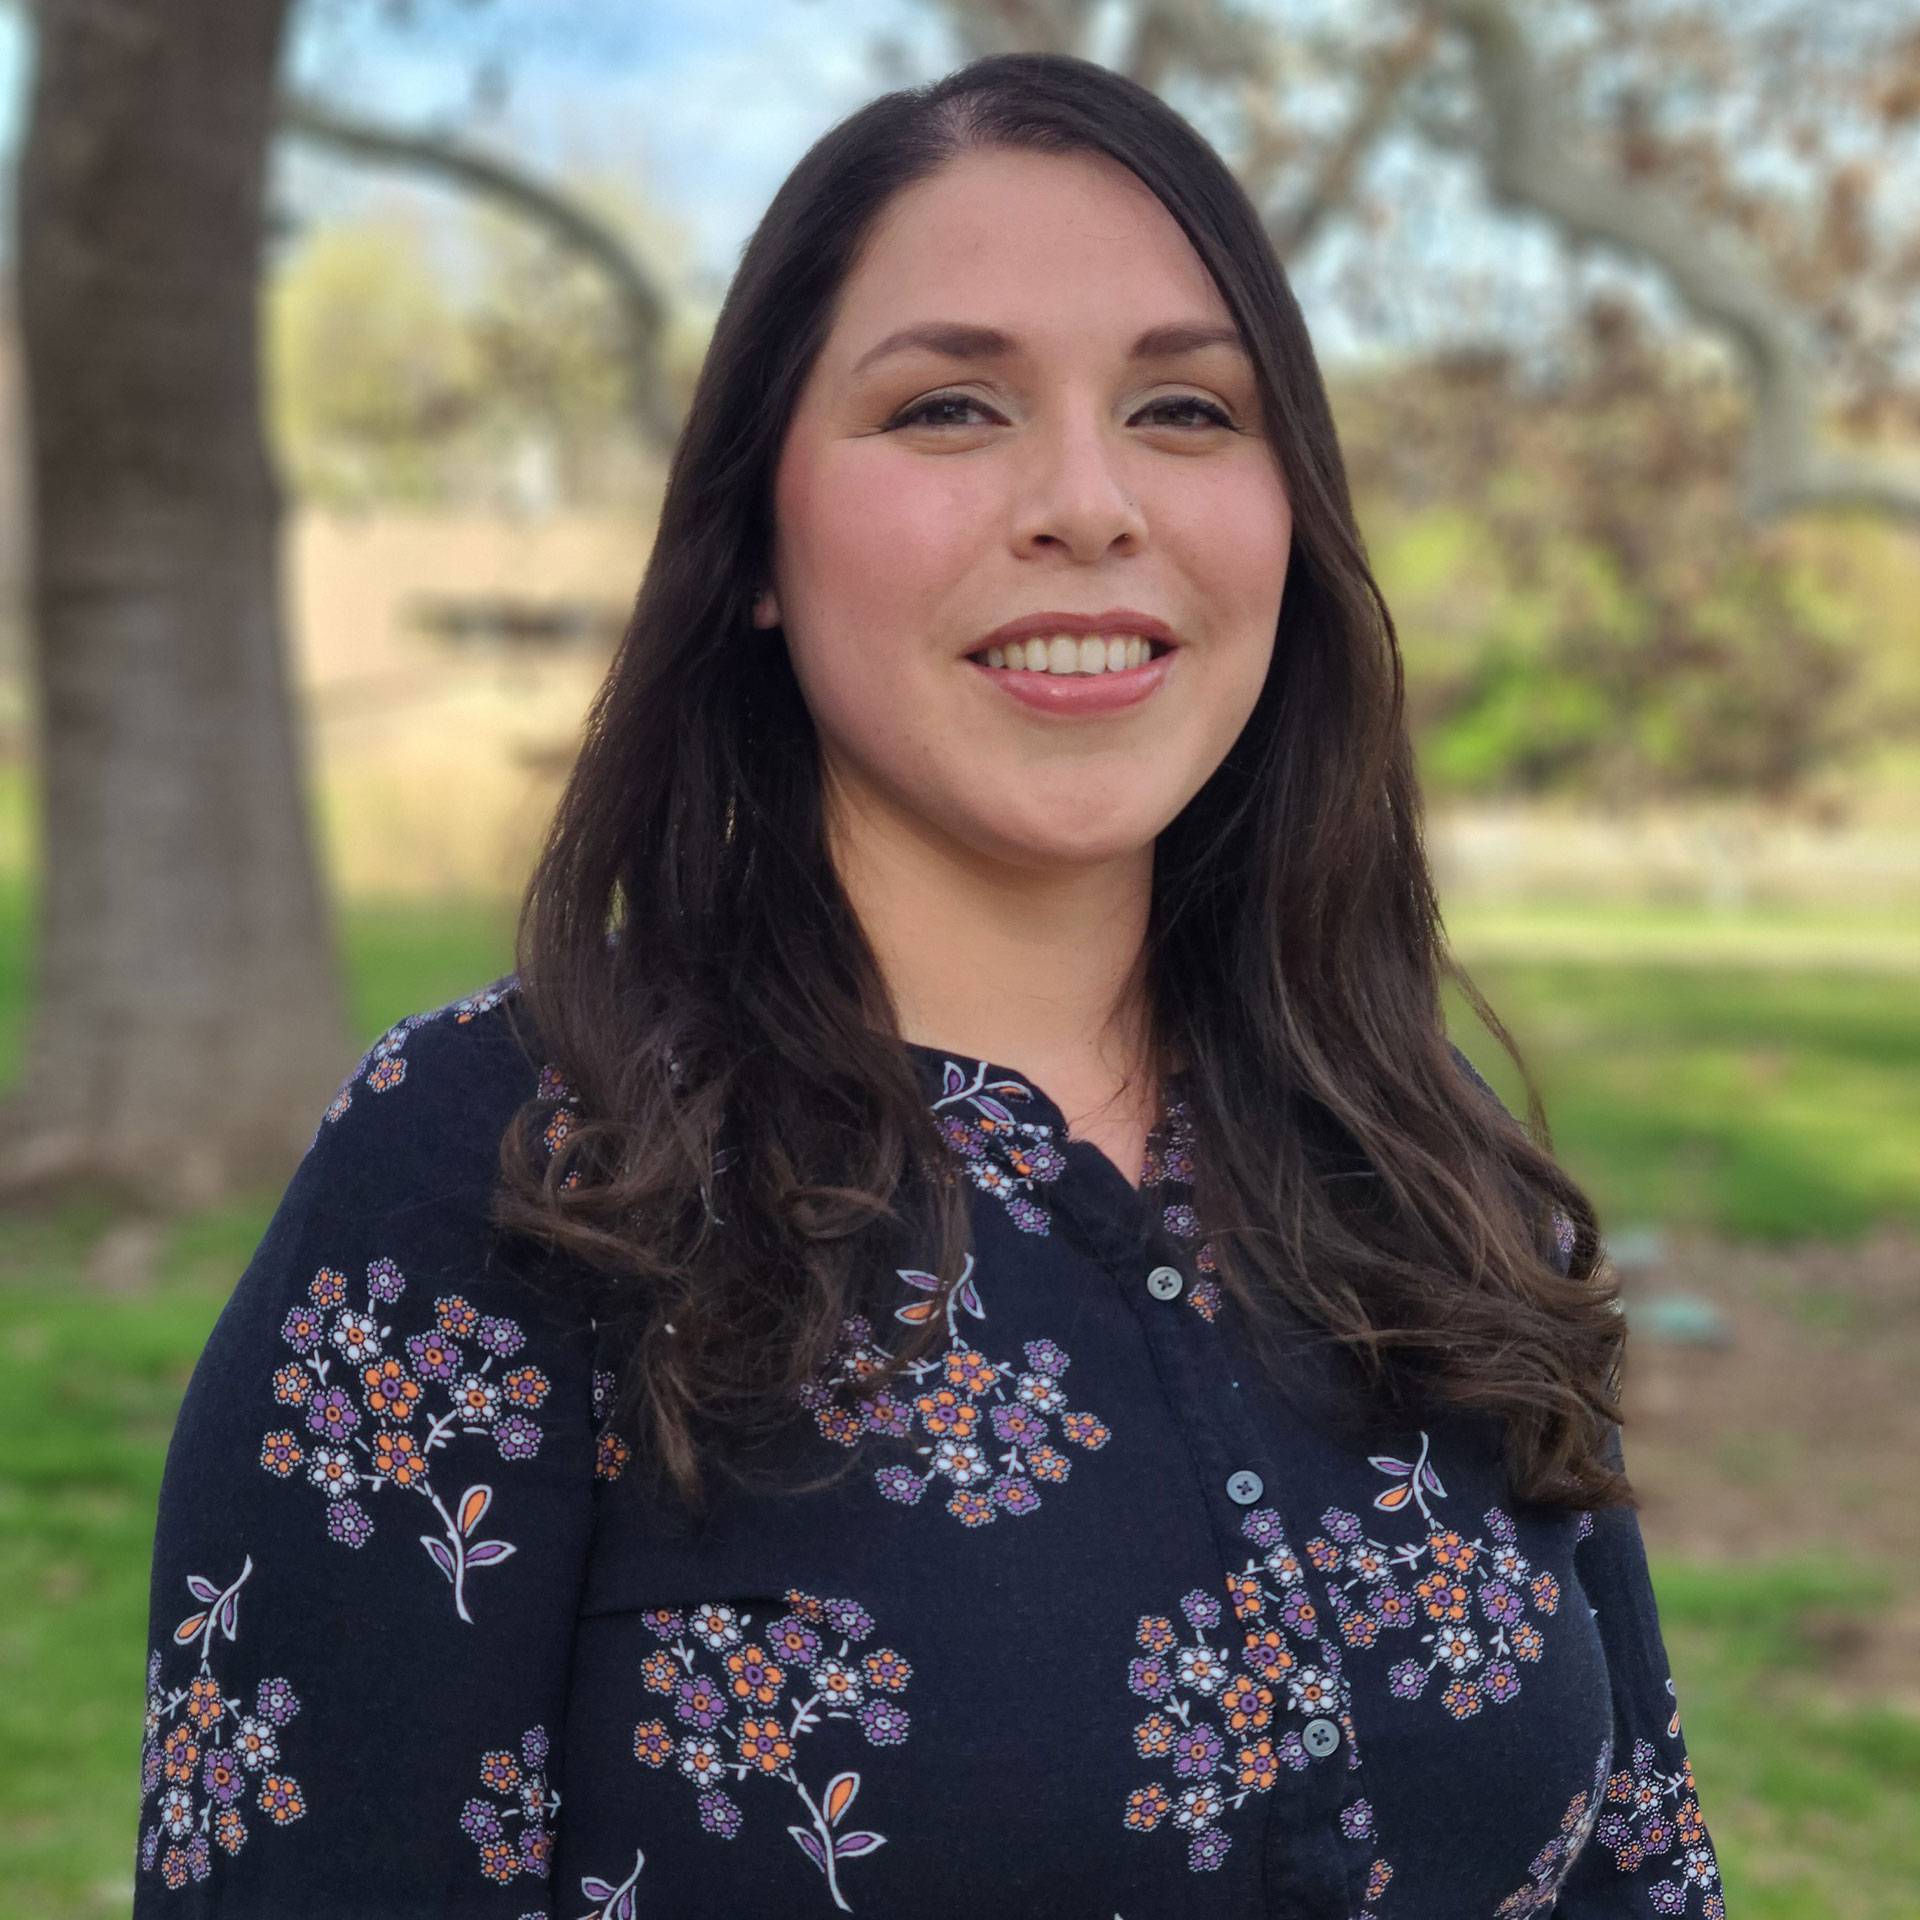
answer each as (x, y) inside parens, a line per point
(1215, 417)
(935, 403)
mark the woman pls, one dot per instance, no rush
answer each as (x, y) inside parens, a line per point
(956, 1335)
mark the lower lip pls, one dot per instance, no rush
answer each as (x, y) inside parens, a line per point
(1077, 693)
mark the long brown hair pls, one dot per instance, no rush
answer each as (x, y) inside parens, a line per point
(753, 1150)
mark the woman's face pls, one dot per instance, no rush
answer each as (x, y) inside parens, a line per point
(926, 497)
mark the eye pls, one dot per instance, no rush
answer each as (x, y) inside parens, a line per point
(932, 404)
(1215, 416)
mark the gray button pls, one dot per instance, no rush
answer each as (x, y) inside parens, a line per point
(1245, 1487)
(1164, 1283)
(1321, 1736)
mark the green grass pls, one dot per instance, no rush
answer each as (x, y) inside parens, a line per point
(1809, 1802)
(1745, 1099)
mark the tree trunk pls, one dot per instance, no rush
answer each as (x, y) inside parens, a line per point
(187, 1028)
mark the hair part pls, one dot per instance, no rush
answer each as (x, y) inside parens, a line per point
(688, 958)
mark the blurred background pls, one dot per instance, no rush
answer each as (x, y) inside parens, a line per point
(341, 355)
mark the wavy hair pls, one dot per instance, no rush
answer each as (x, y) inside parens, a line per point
(753, 1151)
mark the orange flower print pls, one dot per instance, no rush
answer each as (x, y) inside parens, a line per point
(384, 1065)
(1009, 1159)
(1551, 1865)
(611, 1453)
(1252, 1692)
(813, 1675)
(397, 1456)
(1651, 1824)
(984, 1426)
(517, 1779)
(220, 1753)
(362, 1423)
(1466, 1610)
(389, 1391)
(1170, 1164)
(752, 1676)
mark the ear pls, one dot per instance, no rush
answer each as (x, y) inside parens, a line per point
(766, 608)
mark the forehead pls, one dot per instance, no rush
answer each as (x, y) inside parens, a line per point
(1064, 247)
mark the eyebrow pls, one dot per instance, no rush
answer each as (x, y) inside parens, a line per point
(958, 340)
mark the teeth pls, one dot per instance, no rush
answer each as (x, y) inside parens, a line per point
(1073, 653)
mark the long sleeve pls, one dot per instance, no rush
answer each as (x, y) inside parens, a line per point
(371, 1533)
(1649, 1852)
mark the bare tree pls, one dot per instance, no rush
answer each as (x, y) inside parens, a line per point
(186, 1022)
(1482, 77)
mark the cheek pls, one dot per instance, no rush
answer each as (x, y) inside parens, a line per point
(1232, 537)
(863, 537)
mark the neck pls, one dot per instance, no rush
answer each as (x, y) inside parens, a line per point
(1039, 970)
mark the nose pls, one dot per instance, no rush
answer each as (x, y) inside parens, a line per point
(1075, 496)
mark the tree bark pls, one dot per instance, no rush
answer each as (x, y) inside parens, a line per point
(187, 1025)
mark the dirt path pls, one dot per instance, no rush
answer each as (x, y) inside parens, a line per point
(1798, 1436)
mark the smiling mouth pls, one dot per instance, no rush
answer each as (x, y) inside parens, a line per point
(1069, 653)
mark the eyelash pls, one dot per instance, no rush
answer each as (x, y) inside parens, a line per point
(1219, 417)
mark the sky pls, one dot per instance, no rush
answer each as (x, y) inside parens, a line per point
(706, 104)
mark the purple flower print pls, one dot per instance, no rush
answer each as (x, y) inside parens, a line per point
(1651, 1836)
(1434, 1587)
(1009, 1159)
(384, 1066)
(347, 1522)
(518, 1781)
(900, 1483)
(434, 1356)
(699, 1703)
(718, 1814)
(363, 1421)
(955, 1389)
(1201, 1609)
(332, 1413)
(883, 1722)
(798, 1672)
(1207, 1849)
(213, 1747)
(1229, 1717)
(1550, 1867)
(501, 1336)
(1015, 1494)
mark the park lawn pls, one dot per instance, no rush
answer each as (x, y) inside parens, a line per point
(1731, 1089)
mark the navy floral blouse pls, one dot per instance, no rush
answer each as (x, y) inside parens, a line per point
(1102, 1626)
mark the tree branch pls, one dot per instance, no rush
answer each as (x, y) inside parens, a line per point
(1532, 137)
(642, 310)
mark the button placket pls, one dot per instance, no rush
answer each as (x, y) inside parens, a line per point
(1166, 1283)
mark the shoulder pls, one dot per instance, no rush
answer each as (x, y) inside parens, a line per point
(398, 1178)
(429, 1099)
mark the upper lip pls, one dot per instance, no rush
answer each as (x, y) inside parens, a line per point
(1042, 625)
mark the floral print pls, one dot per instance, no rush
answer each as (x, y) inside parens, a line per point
(216, 1753)
(358, 1399)
(517, 1789)
(1009, 1159)
(1470, 1603)
(1217, 1719)
(761, 1679)
(1169, 1162)
(1647, 1835)
(1550, 1866)
(890, 1767)
(384, 1064)
(985, 1426)
(613, 1902)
